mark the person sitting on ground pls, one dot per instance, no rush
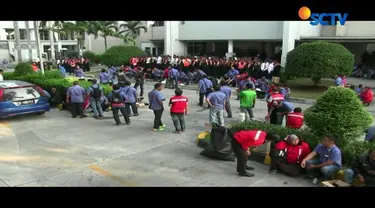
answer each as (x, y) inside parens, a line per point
(105, 103)
(363, 169)
(55, 98)
(367, 96)
(328, 163)
(359, 89)
(295, 119)
(79, 72)
(288, 155)
(242, 141)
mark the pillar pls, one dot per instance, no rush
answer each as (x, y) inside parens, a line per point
(230, 46)
(288, 41)
(172, 44)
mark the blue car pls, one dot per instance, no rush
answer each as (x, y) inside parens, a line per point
(19, 98)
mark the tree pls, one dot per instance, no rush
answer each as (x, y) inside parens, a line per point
(78, 28)
(104, 29)
(131, 30)
(319, 60)
(52, 27)
(338, 112)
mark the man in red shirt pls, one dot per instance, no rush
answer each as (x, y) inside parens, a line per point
(295, 119)
(241, 143)
(179, 107)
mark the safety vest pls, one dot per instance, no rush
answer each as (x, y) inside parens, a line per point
(250, 138)
(241, 65)
(178, 104)
(294, 120)
(185, 62)
(275, 97)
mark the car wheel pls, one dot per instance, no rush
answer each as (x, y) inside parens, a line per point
(41, 113)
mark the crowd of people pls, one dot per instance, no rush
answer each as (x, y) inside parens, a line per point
(290, 155)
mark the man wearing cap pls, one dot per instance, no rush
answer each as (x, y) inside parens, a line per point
(288, 154)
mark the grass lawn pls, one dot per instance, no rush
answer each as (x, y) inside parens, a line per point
(304, 88)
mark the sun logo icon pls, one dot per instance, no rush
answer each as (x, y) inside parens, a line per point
(304, 13)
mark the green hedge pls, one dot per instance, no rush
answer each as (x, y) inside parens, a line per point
(349, 150)
(120, 55)
(51, 79)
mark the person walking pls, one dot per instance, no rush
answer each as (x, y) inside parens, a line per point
(76, 96)
(95, 93)
(118, 99)
(131, 94)
(179, 107)
(156, 99)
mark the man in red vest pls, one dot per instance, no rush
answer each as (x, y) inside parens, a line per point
(295, 119)
(179, 107)
(241, 143)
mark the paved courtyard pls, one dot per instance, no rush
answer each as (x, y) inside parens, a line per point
(56, 150)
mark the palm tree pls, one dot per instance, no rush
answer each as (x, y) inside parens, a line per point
(52, 27)
(104, 29)
(132, 29)
(78, 28)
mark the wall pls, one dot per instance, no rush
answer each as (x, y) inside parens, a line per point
(230, 30)
(172, 44)
(358, 29)
(98, 46)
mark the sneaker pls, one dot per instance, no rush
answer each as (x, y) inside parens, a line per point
(315, 181)
(177, 132)
(163, 126)
(272, 172)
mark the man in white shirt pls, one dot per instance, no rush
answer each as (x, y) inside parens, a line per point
(264, 67)
(148, 60)
(159, 60)
(1, 75)
(270, 68)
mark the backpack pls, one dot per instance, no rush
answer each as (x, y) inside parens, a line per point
(96, 93)
(117, 99)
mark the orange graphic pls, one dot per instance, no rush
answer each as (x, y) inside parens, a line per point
(304, 13)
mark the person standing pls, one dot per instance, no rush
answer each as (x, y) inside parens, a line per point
(173, 77)
(204, 88)
(228, 93)
(118, 99)
(131, 94)
(76, 96)
(95, 92)
(139, 81)
(247, 101)
(1, 75)
(156, 104)
(216, 103)
(241, 143)
(179, 107)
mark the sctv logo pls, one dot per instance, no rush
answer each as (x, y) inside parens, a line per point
(323, 19)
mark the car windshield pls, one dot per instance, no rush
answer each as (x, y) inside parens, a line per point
(21, 93)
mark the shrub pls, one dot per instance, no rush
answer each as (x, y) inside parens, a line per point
(89, 55)
(72, 54)
(23, 68)
(119, 55)
(306, 135)
(338, 112)
(52, 79)
(319, 60)
(349, 150)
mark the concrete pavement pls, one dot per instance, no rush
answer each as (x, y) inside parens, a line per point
(56, 150)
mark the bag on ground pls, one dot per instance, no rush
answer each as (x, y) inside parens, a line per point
(220, 144)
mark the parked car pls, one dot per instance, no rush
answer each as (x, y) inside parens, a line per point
(19, 98)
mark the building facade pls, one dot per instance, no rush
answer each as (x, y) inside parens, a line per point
(246, 38)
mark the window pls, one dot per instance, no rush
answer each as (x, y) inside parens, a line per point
(158, 24)
(23, 34)
(153, 51)
(197, 48)
(148, 50)
(44, 34)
